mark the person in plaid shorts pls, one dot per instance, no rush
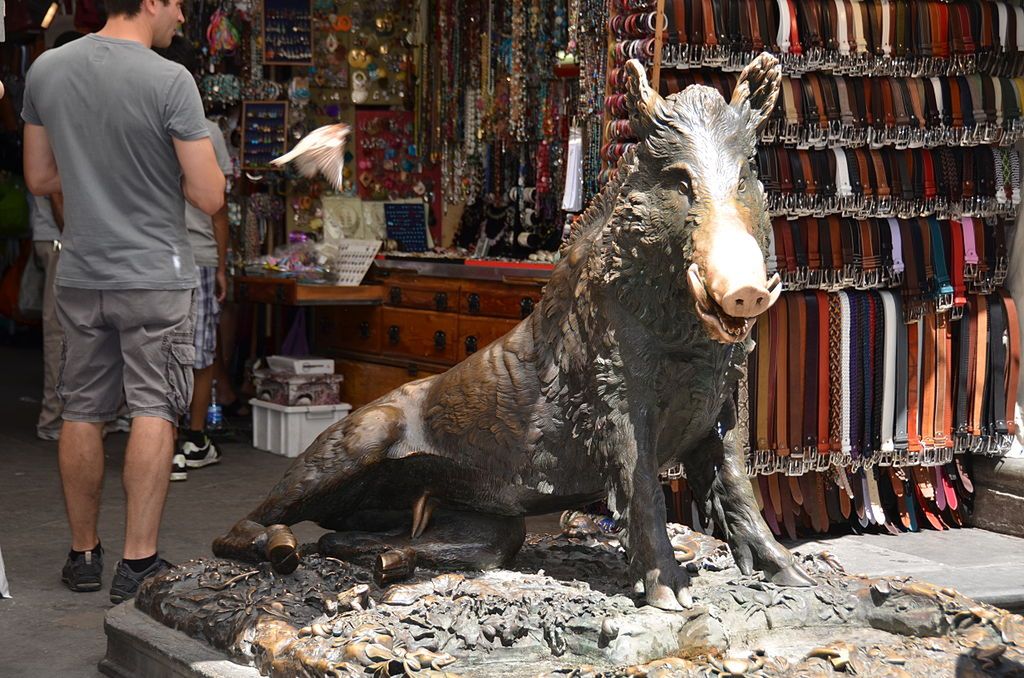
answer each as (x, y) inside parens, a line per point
(208, 237)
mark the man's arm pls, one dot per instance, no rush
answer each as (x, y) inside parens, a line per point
(57, 207)
(41, 174)
(220, 234)
(203, 181)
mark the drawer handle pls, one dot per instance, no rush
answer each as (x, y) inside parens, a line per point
(393, 334)
(525, 307)
(471, 345)
(441, 301)
(364, 330)
(474, 303)
(396, 296)
(440, 340)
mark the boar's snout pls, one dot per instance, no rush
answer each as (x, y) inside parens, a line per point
(748, 301)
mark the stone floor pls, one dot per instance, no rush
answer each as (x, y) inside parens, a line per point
(45, 629)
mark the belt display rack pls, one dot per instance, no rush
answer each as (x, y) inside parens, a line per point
(891, 176)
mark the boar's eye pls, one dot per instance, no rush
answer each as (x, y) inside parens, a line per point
(685, 185)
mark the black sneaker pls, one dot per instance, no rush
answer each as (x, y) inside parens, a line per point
(200, 455)
(179, 469)
(84, 573)
(126, 580)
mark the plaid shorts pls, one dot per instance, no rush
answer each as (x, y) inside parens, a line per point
(207, 317)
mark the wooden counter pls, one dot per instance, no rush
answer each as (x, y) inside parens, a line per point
(286, 291)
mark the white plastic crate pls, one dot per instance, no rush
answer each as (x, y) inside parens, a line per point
(288, 431)
(284, 363)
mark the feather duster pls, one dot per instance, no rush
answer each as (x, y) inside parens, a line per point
(322, 150)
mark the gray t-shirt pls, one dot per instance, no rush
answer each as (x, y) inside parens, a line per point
(198, 222)
(110, 108)
(40, 218)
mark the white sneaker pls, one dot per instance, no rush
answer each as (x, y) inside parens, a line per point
(179, 471)
(198, 457)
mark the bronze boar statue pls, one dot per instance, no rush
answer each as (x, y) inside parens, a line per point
(626, 365)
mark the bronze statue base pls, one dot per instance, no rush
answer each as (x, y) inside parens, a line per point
(329, 618)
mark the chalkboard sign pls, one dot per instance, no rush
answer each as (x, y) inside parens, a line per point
(407, 224)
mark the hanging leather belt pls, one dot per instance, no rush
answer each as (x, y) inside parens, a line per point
(866, 38)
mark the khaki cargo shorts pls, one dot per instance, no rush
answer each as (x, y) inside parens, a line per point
(131, 343)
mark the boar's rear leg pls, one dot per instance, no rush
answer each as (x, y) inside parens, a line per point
(717, 475)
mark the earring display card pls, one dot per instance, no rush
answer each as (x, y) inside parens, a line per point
(364, 48)
(388, 163)
(287, 32)
(353, 260)
(407, 225)
(264, 133)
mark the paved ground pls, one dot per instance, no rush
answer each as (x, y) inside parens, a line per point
(45, 629)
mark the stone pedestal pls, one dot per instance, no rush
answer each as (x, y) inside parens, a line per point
(542, 619)
(999, 495)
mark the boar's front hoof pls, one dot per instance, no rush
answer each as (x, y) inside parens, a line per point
(282, 549)
(792, 575)
(668, 590)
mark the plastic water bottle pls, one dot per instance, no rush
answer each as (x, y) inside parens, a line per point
(214, 415)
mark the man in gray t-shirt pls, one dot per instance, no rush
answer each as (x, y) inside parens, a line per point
(120, 131)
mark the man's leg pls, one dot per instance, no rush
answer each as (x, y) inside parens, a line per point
(49, 424)
(201, 398)
(81, 473)
(89, 384)
(196, 448)
(147, 466)
(156, 346)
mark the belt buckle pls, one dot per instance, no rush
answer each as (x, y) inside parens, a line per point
(1001, 270)
(814, 57)
(956, 313)
(901, 136)
(824, 461)
(928, 456)
(668, 52)
(993, 134)
(695, 54)
(944, 302)
(792, 132)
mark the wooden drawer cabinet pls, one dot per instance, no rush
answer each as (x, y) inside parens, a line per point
(422, 335)
(439, 295)
(365, 380)
(425, 325)
(499, 300)
(353, 328)
(476, 333)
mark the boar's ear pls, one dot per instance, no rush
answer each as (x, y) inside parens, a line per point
(643, 103)
(758, 86)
